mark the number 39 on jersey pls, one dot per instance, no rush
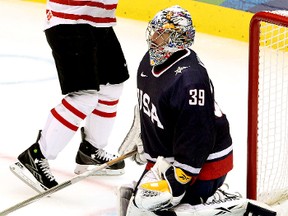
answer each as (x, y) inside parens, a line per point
(197, 97)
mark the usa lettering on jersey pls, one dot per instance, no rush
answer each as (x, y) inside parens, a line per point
(148, 108)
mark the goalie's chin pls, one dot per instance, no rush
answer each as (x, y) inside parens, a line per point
(152, 200)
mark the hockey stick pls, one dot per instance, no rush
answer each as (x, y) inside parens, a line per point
(65, 184)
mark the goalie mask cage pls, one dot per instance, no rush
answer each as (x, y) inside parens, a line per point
(267, 169)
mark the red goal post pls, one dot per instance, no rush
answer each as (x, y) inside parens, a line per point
(267, 163)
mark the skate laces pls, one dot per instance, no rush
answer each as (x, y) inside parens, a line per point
(102, 154)
(221, 196)
(44, 166)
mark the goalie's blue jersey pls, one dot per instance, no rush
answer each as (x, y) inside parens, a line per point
(179, 117)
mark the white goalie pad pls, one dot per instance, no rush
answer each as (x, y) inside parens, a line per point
(239, 207)
(132, 210)
(124, 194)
(227, 203)
(133, 140)
(221, 203)
(126, 205)
(228, 207)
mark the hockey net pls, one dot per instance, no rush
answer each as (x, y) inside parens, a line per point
(267, 170)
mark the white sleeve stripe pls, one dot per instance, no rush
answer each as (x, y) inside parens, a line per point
(220, 154)
(188, 168)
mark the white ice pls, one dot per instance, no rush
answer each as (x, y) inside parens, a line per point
(29, 89)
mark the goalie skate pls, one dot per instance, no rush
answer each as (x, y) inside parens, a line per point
(24, 175)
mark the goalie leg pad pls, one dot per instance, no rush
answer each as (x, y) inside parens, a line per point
(124, 194)
(227, 204)
(133, 140)
(132, 210)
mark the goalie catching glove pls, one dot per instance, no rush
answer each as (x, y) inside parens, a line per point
(133, 140)
(162, 187)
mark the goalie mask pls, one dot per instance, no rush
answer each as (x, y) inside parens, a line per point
(170, 30)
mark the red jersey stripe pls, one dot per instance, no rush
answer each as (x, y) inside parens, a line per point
(83, 17)
(86, 3)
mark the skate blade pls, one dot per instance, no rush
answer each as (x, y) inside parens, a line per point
(104, 172)
(24, 175)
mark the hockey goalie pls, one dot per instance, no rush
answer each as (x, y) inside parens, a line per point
(153, 194)
(179, 131)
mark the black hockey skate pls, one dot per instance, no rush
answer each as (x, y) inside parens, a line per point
(33, 169)
(88, 157)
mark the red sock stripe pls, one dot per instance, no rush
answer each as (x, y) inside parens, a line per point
(73, 109)
(104, 114)
(63, 121)
(109, 103)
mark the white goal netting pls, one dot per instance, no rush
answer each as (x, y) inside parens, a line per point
(272, 126)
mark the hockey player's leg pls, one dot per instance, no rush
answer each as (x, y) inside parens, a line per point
(95, 134)
(61, 125)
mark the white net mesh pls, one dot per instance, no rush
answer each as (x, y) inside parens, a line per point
(272, 171)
